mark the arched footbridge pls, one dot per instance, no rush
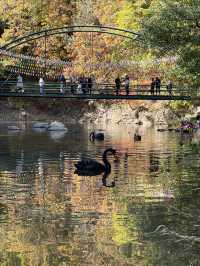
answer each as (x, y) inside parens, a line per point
(72, 90)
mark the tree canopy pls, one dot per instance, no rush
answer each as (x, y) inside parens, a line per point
(168, 28)
(172, 28)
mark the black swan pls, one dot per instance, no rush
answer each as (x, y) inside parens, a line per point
(91, 167)
(98, 136)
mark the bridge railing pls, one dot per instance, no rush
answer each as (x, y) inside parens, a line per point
(31, 87)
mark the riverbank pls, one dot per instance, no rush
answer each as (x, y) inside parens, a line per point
(146, 113)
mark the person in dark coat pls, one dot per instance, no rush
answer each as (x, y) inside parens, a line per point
(117, 85)
(157, 84)
(90, 83)
(152, 86)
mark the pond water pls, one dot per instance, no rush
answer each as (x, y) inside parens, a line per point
(51, 216)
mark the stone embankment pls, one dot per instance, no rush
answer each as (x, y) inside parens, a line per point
(146, 113)
(138, 113)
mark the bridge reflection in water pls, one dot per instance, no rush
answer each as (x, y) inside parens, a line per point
(105, 91)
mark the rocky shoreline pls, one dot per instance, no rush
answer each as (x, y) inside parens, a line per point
(147, 114)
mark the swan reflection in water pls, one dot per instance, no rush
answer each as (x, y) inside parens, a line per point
(97, 136)
(104, 181)
(92, 167)
(57, 135)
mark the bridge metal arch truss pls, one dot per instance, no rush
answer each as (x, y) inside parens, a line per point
(124, 33)
(6, 88)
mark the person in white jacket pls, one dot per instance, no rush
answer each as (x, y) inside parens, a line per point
(41, 84)
(20, 85)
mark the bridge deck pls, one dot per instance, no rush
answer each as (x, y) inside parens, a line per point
(95, 96)
(99, 91)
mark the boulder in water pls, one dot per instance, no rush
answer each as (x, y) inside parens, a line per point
(57, 126)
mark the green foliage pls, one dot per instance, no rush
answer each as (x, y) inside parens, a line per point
(172, 28)
(35, 15)
(181, 106)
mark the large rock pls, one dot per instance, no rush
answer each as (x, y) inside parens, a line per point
(165, 116)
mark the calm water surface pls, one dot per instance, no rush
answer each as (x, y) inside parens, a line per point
(51, 216)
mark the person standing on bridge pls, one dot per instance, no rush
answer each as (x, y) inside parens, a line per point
(20, 85)
(158, 84)
(152, 86)
(127, 84)
(62, 83)
(169, 87)
(117, 85)
(41, 85)
(90, 83)
(82, 84)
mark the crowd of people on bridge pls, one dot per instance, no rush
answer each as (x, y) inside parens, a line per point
(118, 83)
(85, 85)
(80, 84)
(156, 85)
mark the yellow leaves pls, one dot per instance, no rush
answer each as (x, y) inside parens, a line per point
(121, 233)
(129, 15)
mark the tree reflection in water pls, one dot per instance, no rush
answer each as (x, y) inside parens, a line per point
(50, 216)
